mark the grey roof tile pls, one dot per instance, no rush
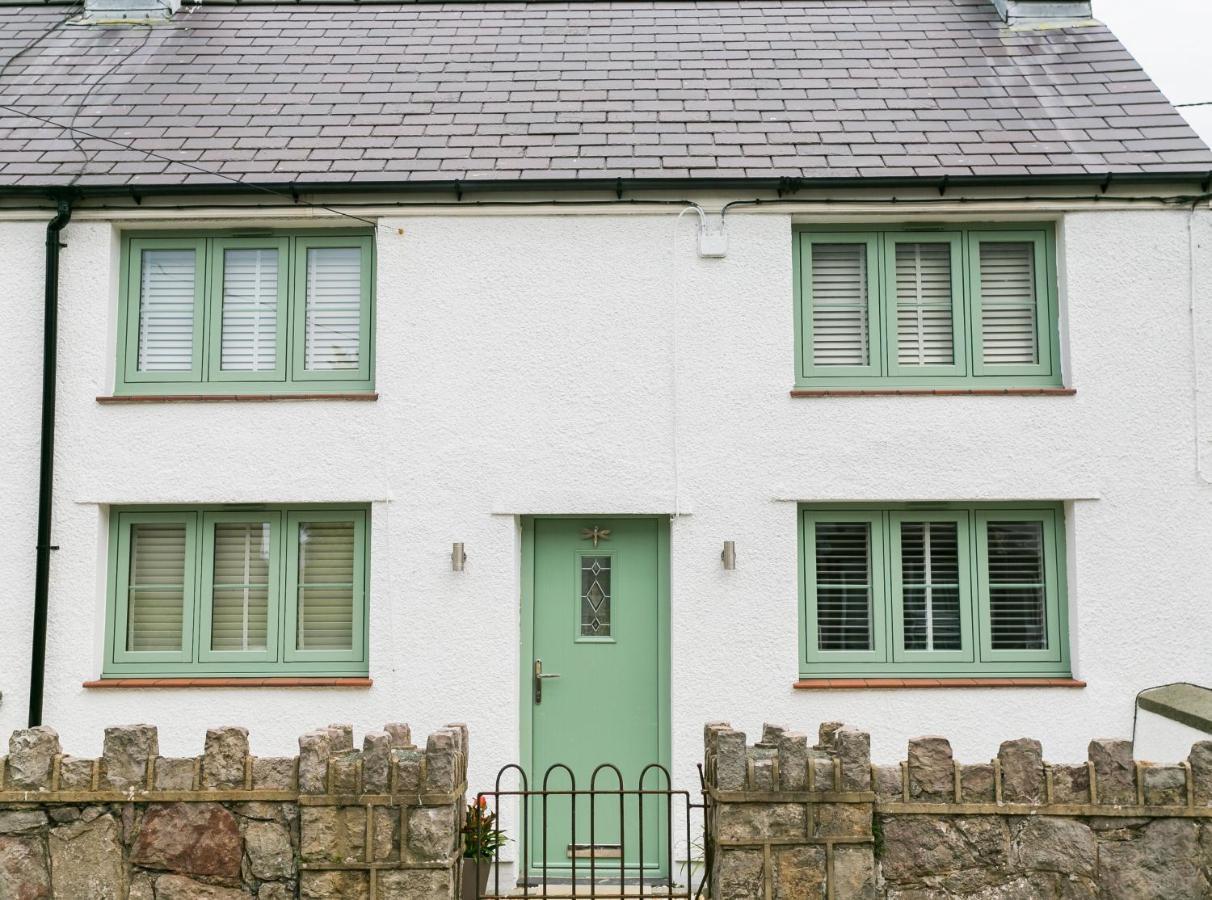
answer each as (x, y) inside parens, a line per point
(618, 88)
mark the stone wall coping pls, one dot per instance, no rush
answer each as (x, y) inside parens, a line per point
(782, 767)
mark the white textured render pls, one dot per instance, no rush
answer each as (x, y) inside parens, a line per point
(525, 364)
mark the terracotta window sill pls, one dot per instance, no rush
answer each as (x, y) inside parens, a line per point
(934, 392)
(237, 398)
(844, 684)
(227, 682)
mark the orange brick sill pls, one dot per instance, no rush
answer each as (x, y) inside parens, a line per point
(843, 684)
(237, 398)
(227, 682)
(936, 392)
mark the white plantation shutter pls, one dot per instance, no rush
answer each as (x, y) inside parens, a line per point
(326, 585)
(333, 312)
(167, 284)
(1008, 303)
(924, 324)
(930, 585)
(240, 600)
(156, 586)
(250, 310)
(843, 585)
(1017, 586)
(839, 305)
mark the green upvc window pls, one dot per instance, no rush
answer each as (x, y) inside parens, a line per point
(227, 314)
(933, 591)
(224, 591)
(926, 307)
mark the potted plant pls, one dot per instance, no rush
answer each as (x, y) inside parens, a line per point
(481, 841)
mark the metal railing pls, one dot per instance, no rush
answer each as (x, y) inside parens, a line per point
(589, 869)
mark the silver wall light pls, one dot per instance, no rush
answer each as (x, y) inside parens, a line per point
(729, 555)
(457, 557)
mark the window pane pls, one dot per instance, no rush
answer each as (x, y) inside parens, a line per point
(595, 596)
(930, 585)
(1017, 612)
(843, 585)
(166, 310)
(839, 305)
(326, 586)
(250, 310)
(156, 600)
(334, 308)
(923, 305)
(1008, 334)
(240, 605)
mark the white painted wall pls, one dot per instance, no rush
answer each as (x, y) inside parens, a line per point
(524, 366)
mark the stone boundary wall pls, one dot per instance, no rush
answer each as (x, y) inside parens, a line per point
(789, 820)
(380, 823)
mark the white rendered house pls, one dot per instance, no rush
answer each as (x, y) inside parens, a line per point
(901, 308)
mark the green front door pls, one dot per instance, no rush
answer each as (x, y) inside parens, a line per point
(596, 628)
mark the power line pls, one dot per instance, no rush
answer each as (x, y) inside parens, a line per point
(180, 162)
(1200, 103)
(73, 130)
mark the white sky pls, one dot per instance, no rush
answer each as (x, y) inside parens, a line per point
(1172, 39)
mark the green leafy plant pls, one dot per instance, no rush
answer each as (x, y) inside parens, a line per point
(481, 837)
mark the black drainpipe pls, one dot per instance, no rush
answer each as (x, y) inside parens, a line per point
(46, 464)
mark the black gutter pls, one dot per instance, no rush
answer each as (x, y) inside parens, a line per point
(46, 464)
(783, 185)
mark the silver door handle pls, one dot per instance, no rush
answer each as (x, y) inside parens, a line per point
(539, 675)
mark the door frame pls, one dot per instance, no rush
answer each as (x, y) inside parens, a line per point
(526, 659)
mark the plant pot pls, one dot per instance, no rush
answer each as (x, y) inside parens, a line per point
(474, 888)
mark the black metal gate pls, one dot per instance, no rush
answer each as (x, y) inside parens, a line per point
(589, 869)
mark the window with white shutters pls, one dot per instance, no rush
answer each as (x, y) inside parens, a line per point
(215, 314)
(924, 307)
(252, 309)
(156, 586)
(841, 333)
(930, 586)
(333, 309)
(948, 592)
(222, 592)
(169, 280)
(926, 313)
(843, 585)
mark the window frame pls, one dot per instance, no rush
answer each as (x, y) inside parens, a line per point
(298, 312)
(888, 603)
(131, 294)
(810, 651)
(897, 652)
(802, 264)
(1042, 241)
(214, 311)
(884, 372)
(293, 519)
(206, 376)
(959, 328)
(196, 660)
(210, 519)
(119, 620)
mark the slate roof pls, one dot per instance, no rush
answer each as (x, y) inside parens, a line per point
(408, 92)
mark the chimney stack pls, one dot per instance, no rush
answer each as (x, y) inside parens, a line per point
(99, 11)
(1043, 12)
